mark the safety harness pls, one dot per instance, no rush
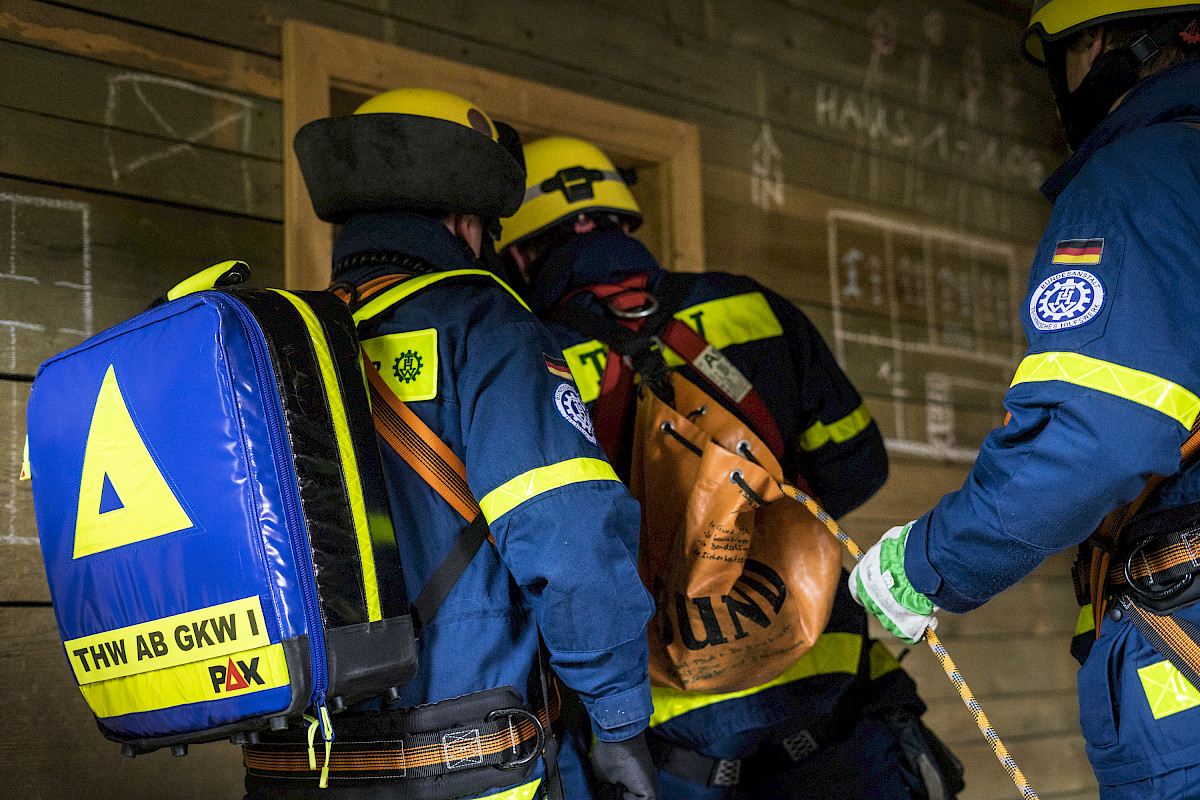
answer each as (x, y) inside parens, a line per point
(641, 324)
(1148, 567)
(452, 747)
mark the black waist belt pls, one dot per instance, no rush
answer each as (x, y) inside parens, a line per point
(483, 729)
(707, 770)
(1155, 563)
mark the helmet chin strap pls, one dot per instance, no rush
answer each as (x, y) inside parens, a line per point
(1114, 73)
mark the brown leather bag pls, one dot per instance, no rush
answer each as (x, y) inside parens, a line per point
(743, 576)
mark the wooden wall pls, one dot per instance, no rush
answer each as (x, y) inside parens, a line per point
(876, 161)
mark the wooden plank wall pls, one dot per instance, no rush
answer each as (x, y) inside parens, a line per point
(874, 160)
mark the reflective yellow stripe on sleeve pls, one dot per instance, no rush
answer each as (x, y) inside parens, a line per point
(540, 480)
(832, 652)
(849, 426)
(1139, 387)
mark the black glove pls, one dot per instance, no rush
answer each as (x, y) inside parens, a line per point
(626, 767)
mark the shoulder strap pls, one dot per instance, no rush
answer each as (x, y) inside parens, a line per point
(430, 457)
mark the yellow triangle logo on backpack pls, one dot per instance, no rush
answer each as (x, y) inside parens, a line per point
(123, 496)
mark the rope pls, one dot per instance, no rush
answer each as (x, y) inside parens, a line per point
(939, 650)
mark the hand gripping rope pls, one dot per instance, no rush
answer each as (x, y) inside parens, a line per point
(939, 650)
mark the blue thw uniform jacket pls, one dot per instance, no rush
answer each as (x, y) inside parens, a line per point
(830, 439)
(565, 529)
(1103, 400)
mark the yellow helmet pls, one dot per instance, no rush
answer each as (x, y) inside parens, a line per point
(1053, 20)
(411, 150)
(565, 177)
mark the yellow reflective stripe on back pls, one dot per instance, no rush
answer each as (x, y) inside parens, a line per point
(540, 480)
(849, 426)
(1167, 690)
(341, 426)
(416, 284)
(733, 320)
(1139, 387)
(724, 322)
(587, 361)
(832, 652)
(211, 679)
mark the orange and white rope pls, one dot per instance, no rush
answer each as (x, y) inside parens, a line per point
(939, 650)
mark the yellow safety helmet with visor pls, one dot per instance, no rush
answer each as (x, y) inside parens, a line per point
(1055, 20)
(564, 177)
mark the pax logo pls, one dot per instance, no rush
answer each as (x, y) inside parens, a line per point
(235, 677)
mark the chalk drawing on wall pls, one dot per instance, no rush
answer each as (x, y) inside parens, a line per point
(766, 170)
(155, 97)
(927, 315)
(18, 280)
(936, 134)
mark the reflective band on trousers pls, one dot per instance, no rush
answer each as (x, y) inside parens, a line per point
(1139, 387)
(832, 652)
(844, 429)
(539, 480)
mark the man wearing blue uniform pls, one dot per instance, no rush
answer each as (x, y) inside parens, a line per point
(1102, 402)
(843, 720)
(417, 177)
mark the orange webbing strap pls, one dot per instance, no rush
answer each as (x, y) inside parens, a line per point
(1176, 641)
(368, 289)
(1108, 533)
(411, 438)
(426, 753)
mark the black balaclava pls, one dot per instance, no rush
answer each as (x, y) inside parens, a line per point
(1114, 73)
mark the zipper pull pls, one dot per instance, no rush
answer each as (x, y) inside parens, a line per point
(326, 725)
(25, 472)
(313, 722)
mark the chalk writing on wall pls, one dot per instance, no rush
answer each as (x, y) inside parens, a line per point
(766, 170)
(25, 223)
(926, 314)
(939, 126)
(167, 103)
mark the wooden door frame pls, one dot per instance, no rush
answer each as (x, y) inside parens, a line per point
(314, 58)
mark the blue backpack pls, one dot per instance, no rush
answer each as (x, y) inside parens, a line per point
(212, 513)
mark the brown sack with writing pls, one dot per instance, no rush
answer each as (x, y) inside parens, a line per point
(744, 583)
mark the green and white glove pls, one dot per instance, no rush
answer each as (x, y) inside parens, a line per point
(878, 584)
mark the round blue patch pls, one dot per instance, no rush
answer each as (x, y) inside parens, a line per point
(1066, 300)
(570, 406)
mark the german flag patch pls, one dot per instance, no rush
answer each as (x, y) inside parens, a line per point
(558, 368)
(1078, 251)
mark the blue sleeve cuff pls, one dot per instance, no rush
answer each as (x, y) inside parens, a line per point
(925, 578)
(622, 715)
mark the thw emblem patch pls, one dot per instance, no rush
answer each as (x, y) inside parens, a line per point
(408, 362)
